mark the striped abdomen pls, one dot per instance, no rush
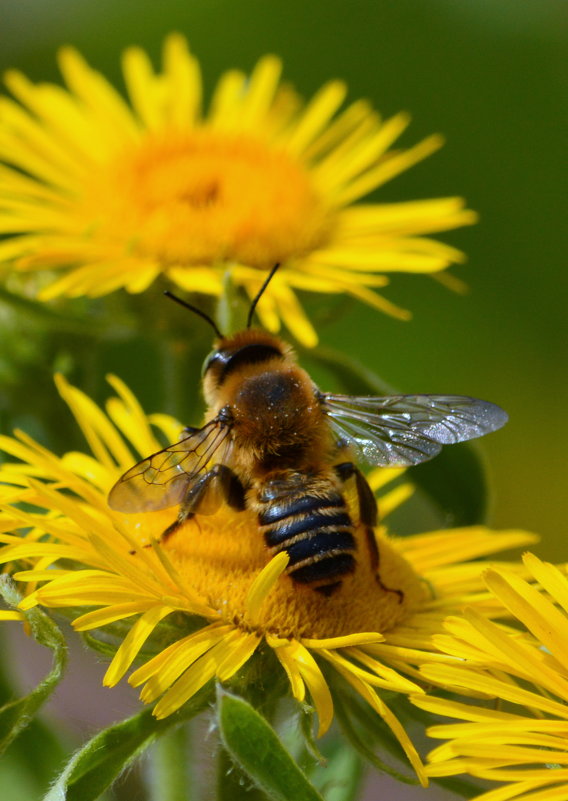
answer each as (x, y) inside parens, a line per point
(316, 532)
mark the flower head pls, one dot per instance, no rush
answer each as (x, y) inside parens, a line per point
(114, 193)
(523, 744)
(227, 601)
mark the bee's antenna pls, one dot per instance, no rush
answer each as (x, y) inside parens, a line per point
(259, 294)
(187, 305)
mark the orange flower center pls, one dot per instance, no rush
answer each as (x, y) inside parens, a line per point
(205, 198)
(219, 556)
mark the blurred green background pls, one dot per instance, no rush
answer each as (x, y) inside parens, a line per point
(491, 76)
(488, 74)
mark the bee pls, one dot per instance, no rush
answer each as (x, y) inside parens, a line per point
(273, 443)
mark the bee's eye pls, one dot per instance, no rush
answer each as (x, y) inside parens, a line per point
(215, 357)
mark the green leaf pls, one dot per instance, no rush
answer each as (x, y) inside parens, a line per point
(100, 761)
(454, 482)
(259, 753)
(16, 715)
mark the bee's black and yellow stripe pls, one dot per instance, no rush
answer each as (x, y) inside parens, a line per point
(315, 532)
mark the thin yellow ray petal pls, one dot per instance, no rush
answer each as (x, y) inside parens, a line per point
(108, 109)
(507, 731)
(37, 549)
(400, 684)
(140, 83)
(518, 657)
(511, 754)
(16, 183)
(430, 550)
(381, 476)
(133, 642)
(456, 709)
(463, 679)
(346, 641)
(179, 660)
(377, 302)
(46, 524)
(388, 169)
(194, 678)
(403, 217)
(169, 426)
(143, 440)
(387, 651)
(316, 115)
(516, 790)
(197, 279)
(369, 695)
(11, 615)
(284, 652)
(316, 683)
(46, 138)
(184, 82)
(20, 155)
(262, 86)
(540, 617)
(294, 316)
(239, 653)
(349, 125)
(266, 309)
(366, 257)
(550, 577)
(451, 282)
(226, 101)
(363, 155)
(141, 281)
(41, 462)
(40, 575)
(388, 674)
(263, 584)
(110, 614)
(104, 440)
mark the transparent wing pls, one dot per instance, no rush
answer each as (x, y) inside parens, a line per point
(164, 478)
(402, 430)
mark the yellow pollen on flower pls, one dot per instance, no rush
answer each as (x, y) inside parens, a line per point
(220, 557)
(204, 197)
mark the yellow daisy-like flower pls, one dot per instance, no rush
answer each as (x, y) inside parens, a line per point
(215, 580)
(524, 744)
(114, 193)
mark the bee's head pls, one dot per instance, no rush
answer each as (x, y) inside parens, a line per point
(245, 352)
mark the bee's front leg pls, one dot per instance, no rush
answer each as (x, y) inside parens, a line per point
(205, 495)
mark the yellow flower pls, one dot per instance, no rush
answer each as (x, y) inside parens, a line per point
(523, 744)
(225, 598)
(114, 193)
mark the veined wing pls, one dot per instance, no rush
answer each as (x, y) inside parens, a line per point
(164, 478)
(403, 430)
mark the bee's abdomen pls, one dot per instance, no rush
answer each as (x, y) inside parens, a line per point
(316, 533)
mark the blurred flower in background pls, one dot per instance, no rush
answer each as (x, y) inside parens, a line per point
(114, 194)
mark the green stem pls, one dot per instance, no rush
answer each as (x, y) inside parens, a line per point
(232, 783)
(170, 774)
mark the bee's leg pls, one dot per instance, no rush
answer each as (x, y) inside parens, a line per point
(204, 496)
(368, 515)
